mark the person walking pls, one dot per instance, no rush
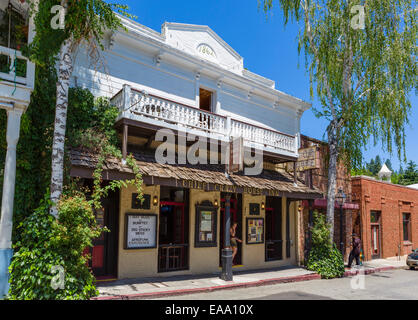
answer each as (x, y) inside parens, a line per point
(355, 252)
(234, 239)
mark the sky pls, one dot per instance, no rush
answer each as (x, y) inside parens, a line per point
(268, 48)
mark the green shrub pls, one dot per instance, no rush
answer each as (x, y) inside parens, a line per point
(324, 258)
(47, 242)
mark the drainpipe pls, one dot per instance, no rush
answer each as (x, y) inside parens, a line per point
(6, 221)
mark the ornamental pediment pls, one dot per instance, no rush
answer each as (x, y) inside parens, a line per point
(203, 42)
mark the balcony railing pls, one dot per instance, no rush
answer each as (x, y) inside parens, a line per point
(143, 107)
(14, 67)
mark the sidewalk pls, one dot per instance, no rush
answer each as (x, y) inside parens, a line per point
(178, 285)
(377, 265)
(143, 288)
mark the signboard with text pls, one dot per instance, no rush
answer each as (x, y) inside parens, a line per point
(140, 231)
(308, 159)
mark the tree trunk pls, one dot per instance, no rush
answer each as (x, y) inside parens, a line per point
(332, 177)
(63, 83)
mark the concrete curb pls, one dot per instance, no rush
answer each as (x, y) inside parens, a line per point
(305, 277)
(370, 270)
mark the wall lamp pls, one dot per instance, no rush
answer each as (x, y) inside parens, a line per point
(216, 202)
(155, 200)
(263, 206)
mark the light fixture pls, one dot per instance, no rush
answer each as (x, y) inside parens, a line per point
(155, 200)
(340, 197)
(216, 202)
(300, 208)
(262, 206)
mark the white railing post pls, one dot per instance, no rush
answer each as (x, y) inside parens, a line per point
(228, 127)
(126, 98)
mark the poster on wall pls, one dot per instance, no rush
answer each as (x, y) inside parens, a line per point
(255, 230)
(140, 231)
(206, 225)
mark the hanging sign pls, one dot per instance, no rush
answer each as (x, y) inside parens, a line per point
(140, 231)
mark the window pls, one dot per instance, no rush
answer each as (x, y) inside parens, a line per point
(407, 227)
(205, 99)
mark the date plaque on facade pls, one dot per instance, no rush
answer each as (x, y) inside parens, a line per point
(136, 203)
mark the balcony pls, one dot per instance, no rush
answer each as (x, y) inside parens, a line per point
(17, 73)
(157, 112)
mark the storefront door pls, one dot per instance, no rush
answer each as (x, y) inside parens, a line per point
(375, 234)
(173, 237)
(104, 252)
(236, 216)
(274, 241)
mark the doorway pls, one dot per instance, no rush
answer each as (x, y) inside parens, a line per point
(375, 218)
(104, 252)
(173, 249)
(236, 216)
(274, 239)
(205, 99)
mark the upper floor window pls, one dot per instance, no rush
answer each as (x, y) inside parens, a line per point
(406, 226)
(205, 99)
(13, 25)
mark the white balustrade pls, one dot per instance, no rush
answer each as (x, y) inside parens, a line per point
(11, 76)
(143, 106)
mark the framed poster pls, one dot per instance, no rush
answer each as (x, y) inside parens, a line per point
(206, 226)
(140, 230)
(255, 230)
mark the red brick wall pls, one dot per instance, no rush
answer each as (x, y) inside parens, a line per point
(392, 201)
(320, 180)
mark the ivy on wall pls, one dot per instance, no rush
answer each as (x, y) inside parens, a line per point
(90, 125)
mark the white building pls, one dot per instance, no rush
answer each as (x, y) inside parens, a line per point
(187, 78)
(17, 76)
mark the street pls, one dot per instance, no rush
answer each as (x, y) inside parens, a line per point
(393, 284)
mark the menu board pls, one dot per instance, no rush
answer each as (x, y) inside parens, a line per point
(141, 231)
(255, 230)
(205, 226)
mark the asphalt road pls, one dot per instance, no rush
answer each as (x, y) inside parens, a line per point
(394, 284)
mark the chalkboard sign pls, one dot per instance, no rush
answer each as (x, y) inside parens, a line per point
(140, 231)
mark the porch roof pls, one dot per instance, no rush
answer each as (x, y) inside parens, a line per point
(204, 177)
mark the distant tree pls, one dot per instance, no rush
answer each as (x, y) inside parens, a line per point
(389, 164)
(410, 176)
(377, 165)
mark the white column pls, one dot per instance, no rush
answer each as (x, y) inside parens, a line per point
(12, 136)
(196, 88)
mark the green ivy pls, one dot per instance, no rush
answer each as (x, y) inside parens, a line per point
(324, 257)
(47, 242)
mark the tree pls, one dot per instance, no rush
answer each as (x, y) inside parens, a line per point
(363, 65)
(410, 176)
(389, 164)
(86, 22)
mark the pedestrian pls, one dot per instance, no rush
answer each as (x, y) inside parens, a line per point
(355, 252)
(234, 239)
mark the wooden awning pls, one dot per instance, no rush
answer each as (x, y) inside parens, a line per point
(203, 177)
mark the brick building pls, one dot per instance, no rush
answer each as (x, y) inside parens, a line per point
(388, 220)
(318, 177)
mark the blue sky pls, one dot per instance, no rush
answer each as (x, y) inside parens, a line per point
(267, 47)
